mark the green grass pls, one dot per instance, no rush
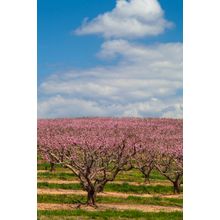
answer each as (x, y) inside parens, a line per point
(113, 214)
(113, 187)
(129, 176)
(46, 166)
(133, 175)
(45, 185)
(74, 199)
(126, 188)
(57, 175)
(126, 177)
(136, 176)
(155, 175)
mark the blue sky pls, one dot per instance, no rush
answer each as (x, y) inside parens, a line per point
(67, 48)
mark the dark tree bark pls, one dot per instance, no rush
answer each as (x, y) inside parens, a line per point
(146, 173)
(94, 169)
(91, 197)
(147, 179)
(52, 167)
(176, 186)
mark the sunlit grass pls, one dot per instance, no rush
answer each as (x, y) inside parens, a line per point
(74, 199)
(108, 214)
(114, 187)
(129, 176)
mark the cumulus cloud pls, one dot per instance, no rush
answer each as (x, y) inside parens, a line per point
(129, 19)
(146, 81)
(61, 106)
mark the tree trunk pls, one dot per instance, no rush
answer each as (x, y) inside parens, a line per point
(91, 196)
(52, 167)
(147, 173)
(147, 179)
(176, 187)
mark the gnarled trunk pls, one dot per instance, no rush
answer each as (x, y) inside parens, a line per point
(176, 187)
(147, 175)
(91, 197)
(147, 179)
(52, 167)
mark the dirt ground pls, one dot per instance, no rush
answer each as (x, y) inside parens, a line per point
(154, 183)
(110, 194)
(102, 207)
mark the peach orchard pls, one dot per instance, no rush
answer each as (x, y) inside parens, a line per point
(96, 150)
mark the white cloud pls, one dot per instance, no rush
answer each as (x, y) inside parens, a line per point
(59, 106)
(146, 81)
(168, 55)
(129, 19)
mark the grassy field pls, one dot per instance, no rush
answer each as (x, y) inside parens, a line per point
(108, 214)
(113, 187)
(128, 197)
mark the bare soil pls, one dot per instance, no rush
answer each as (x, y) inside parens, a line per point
(46, 171)
(154, 183)
(102, 207)
(109, 194)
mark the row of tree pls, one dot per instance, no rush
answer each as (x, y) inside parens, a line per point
(96, 150)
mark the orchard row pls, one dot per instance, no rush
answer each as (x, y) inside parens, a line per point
(96, 150)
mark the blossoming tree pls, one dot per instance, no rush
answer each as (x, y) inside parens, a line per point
(161, 148)
(170, 154)
(95, 151)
